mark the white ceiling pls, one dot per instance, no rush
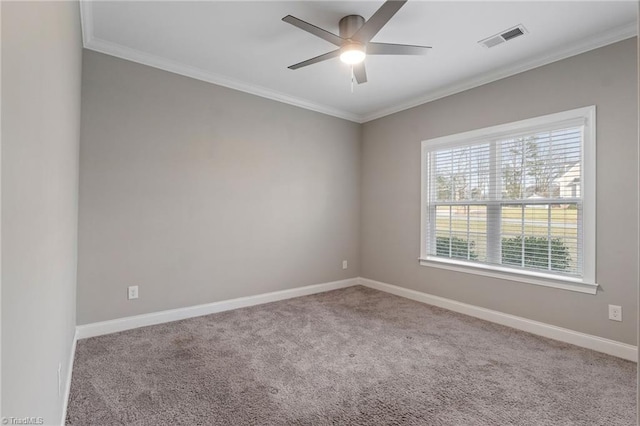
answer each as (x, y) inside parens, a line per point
(245, 45)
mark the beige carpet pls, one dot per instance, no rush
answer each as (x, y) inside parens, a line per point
(348, 357)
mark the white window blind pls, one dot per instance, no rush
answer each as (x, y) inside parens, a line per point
(512, 197)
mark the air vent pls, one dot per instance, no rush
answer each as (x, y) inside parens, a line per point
(512, 34)
(506, 35)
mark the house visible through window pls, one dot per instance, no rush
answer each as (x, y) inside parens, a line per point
(516, 199)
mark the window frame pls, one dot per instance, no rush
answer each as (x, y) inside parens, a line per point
(585, 117)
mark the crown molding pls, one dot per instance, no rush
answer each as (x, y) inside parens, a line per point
(91, 42)
(134, 55)
(86, 20)
(600, 40)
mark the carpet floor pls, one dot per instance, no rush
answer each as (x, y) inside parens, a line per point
(350, 357)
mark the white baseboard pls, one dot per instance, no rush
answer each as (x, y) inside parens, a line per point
(128, 323)
(67, 386)
(611, 347)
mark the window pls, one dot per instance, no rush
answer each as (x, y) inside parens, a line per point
(515, 201)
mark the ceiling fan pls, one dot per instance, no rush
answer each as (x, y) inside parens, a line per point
(354, 42)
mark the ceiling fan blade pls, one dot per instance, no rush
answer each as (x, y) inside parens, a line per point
(378, 20)
(360, 73)
(316, 31)
(396, 49)
(315, 60)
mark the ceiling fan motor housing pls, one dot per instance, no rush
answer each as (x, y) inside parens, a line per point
(349, 25)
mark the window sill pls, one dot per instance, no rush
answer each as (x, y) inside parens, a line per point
(572, 284)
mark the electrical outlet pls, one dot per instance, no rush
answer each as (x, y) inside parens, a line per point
(133, 292)
(345, 265)
(615, 313)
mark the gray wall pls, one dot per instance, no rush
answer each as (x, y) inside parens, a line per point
(41, 66)
(198, 193)
(390, 245)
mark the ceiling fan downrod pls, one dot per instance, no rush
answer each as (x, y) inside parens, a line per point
(349, 25)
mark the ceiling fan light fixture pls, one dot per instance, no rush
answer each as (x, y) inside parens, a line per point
(352, 53)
